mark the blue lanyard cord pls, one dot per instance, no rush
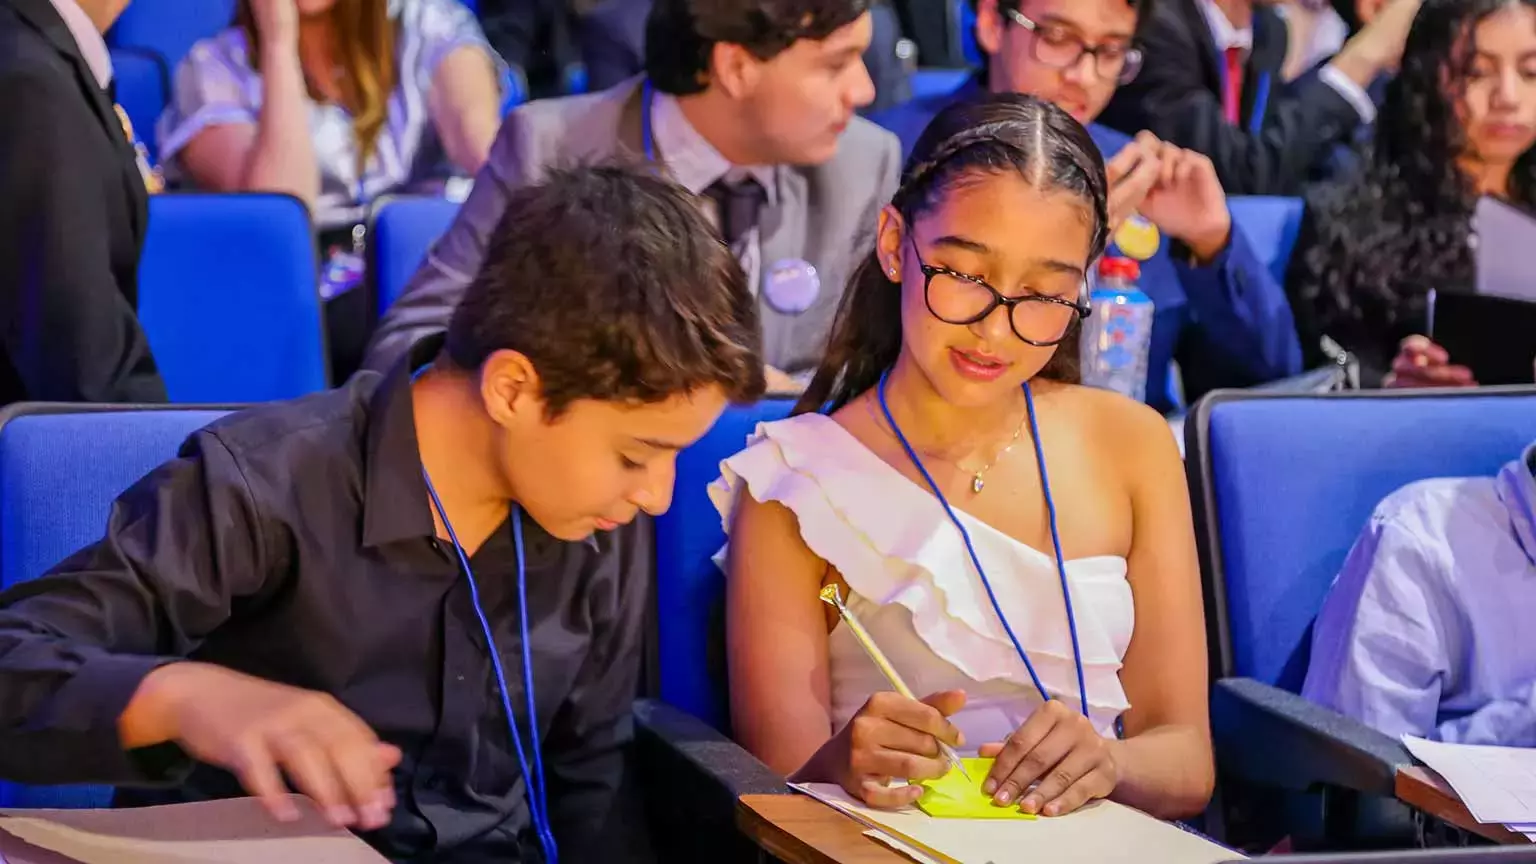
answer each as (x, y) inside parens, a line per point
(1050, 507)
(534, 782)
(647, 134)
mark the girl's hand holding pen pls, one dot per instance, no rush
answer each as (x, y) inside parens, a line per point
(893, 736)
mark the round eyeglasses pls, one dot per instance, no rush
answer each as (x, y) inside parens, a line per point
(1058, 48)
(957, 298)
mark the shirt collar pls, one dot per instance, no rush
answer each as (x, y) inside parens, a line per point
(691, 160)
(93, 48)
(1517, 489)
(1225, 35)
(395, 501)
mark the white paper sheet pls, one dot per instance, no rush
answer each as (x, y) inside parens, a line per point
(1101, 833)
(883, 839)
(1498, 784)
(232, 831)
(1505, 235)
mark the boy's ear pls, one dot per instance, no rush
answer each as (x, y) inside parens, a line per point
(510, 388)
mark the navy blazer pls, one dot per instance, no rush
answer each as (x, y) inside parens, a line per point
(1228, 324)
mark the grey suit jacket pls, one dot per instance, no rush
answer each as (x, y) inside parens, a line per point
(825, 214)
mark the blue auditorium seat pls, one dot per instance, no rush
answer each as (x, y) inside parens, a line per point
(169, 28)
(61, 466)
(928, 83)
(229, 297)
(401, 230)
(1282, 485)
(1271, 225)
(690, 588)
(143, 86)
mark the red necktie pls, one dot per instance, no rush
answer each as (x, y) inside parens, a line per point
(1232, 100)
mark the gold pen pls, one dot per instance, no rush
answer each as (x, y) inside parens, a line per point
(834, 598)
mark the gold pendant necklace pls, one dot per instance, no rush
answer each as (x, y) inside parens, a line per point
(978, 480)
(978, 477)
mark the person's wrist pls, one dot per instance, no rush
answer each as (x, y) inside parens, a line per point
(1208, 244)
(280, 55)
(1360, 61)
(151, 715)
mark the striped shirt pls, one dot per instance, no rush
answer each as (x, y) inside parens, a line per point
(216, 85)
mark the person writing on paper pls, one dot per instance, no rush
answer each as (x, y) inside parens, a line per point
(927, 491)
(1424, 631)
(1458, 123)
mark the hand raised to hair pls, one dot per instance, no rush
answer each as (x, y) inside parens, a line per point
(277, 21)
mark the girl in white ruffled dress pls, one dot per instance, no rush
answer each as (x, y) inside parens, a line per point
(1061, 633)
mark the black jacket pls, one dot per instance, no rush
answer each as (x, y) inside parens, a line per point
(1178, 96)
(73, 210)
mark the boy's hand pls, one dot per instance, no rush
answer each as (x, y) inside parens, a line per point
(260, 730)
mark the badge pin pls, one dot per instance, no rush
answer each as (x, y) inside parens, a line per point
(791, 285)
(1138, 238)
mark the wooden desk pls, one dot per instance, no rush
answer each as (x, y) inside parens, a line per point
(798, 829)
(1424, 789)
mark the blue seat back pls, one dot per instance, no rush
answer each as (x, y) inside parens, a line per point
(690, 589)
(1271, 225)
(170, 27)
(1283, 484)
(229, 297)
(143, 86)
(60, 469)
(928, 83)
(403, 229)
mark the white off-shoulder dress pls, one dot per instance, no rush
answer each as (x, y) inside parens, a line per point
(914, 588)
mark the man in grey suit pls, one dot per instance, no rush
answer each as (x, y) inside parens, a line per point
(747, 103)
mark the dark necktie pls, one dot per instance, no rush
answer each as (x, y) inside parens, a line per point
(739, 206)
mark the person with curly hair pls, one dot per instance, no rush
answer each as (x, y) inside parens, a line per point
(1458, 123)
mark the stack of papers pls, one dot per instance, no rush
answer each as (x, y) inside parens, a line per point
(1101, 833)
(1497, 784)
(232, 831)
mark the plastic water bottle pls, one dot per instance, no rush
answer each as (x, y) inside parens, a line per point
(1117, 337)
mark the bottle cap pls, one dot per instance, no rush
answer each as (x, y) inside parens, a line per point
(1115, 267)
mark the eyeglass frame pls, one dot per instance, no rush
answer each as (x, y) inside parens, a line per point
(929, 271)
(1128, 71)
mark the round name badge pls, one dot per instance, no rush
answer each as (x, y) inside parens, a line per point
(791, 285)
(1137, 238)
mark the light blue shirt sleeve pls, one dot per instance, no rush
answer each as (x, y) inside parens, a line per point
(1380, 650)
(1394, 643)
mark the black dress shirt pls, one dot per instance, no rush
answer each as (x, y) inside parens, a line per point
(295, 542)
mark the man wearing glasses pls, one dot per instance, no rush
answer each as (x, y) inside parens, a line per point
(1219, 312)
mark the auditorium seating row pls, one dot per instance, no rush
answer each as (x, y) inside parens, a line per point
(1271, 535)
(229, 294)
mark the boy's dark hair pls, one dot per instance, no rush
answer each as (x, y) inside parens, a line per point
(680, 35)
(615, 286)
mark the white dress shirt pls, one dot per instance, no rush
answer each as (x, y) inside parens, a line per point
(1226, 35)
(88, 39)
(695, 164)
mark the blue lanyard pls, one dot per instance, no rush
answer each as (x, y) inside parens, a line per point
(538, 804)
(1260, 98)
(1050, 508)
(647, 135)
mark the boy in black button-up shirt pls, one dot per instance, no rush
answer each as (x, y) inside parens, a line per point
(283, 599)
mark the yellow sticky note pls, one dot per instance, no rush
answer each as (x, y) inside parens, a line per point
(954, 797)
